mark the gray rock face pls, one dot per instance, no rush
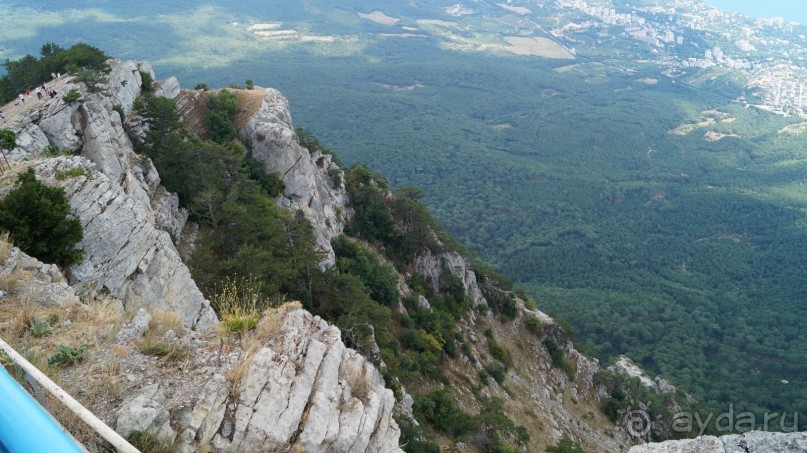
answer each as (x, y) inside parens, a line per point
(309, 391)
(168, 88)
(45, 279)
(144, 412)
(754, 442)
(431, 266)
(30, 140)
(61, 124)
(625, 365)
(207, 415)
(123, 251)
(129, 219)
(125, 82)
(309, 187)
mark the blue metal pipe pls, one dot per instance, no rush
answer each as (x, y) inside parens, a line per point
(26, 427)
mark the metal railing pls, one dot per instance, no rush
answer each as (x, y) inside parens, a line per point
(26, 427)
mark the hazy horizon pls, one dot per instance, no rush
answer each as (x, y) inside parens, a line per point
(791, 10)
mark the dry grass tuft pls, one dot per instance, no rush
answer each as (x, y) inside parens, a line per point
(168, 351)
(358, 381)
(163, 321)
(154, 343)
(239, 304)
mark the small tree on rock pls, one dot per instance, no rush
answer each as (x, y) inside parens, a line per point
(38, 218)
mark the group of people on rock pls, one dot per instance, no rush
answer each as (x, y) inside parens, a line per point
(38, 91)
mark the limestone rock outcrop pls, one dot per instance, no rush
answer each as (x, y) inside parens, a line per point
(44, 280)
(310, 187)
(307, 389)
(130, 221)
(296, 388)
(626, 366)
(431, 267)
(123, 250)
(144, 412)
(754, 441)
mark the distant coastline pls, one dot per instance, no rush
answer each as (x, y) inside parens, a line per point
(790, 10)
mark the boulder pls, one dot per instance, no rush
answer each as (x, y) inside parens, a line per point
(144, 412)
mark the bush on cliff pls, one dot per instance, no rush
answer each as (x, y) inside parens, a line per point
(219, 119)
(38, 218)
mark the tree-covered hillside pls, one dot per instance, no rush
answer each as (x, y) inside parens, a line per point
(662, 216)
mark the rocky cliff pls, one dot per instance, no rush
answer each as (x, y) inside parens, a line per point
(290, 386)
(128, 218)
(293, 386)
(308, 175)
(313, 183)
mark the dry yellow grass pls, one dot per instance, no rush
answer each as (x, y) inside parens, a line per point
(249, 101)
(251, 342)
(163, 321)
(70, 324)
(357, 379)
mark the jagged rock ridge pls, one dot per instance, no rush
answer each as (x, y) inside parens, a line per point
(128, 218)
(302, 387)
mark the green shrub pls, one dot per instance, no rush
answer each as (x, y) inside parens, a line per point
(150, 443)
(67, 355)
(93, 79)
(8, 139)
(500, 353)
(565, 445)
(38, 218)
(380, 280)
(555, 352)
(39, 328)
(146, 82)
(336, 176)
(72, 96)
(269, 182)
(54, 151)
(119, 109)
(533, 325)
(498, 371)
(559, 358)
(412, 439)
(439, 408)
(484, 377)
(239, 304)
(219, 119)
(249, 84)
(71, 173)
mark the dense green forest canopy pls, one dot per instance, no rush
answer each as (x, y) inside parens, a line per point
(683, 252)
